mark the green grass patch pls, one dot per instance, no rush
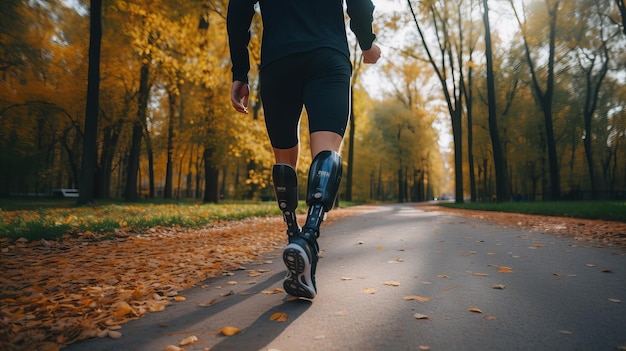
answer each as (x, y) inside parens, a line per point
(51, 218)
(604, 210)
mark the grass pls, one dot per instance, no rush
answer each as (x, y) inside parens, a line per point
(603, 210)
(36, 219)
(49, 219)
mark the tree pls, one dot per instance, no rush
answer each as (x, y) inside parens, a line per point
(90, 136)
(448, 71)
(498, 159)
(545, 95)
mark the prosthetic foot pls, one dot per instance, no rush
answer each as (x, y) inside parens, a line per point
(302, 253)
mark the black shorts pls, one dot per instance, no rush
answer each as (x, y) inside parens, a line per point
(319, 80)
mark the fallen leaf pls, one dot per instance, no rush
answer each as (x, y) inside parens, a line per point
(122, 309)
(232, 282)
(503, 269)
(480, 274)
(346, 278)
(566, 332)
(229, 330)
(420, 316)
(114, 334)
(424, 347)
(442, 276)
(369, 290)
(379, 247)
(208, 303)
(606, 270)
(615, 300)
(489, 318)
(498, 286)
(275, 291)
(279, 317)
(392, 283)
(179, 298)
(188, 340)
(418, 298)
(475, 310)
(590, 265)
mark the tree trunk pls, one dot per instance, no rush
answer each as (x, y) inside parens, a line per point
(211, 173)
(138, 125)
(90, 136)
(167, 192)
(498, 159)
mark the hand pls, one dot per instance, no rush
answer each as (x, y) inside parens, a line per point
(372, 55)
(239, 94)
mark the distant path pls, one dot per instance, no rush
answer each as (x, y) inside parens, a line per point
(557, 294)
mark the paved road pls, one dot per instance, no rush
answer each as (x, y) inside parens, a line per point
(558, 294)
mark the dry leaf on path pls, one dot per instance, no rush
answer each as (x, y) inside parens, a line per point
(275, 291)
(369, 290)
(188, 340)
(392, 283)
(229, 330)
(279, 317)
(503, 269)
(475, 310)
(418, 298)
(420, 316)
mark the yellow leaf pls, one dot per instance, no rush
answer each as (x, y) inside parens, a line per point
(180, 298)
(188, 340)
(418, 298)
(379, 247)
(121, 309)
(392, 283)
(475, 310)
(279, 317)
(229, 330)
(156, 307)
(275, 291)
(503, 269)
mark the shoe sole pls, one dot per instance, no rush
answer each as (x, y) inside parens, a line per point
(298, 282)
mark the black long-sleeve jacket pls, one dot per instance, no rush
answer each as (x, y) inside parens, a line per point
(293, 26)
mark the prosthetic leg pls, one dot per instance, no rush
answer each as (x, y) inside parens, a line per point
(286, 188)
(302, 253)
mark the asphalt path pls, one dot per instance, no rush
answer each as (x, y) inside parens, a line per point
(399, 278)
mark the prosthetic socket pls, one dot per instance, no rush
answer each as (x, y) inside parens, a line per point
(323, 185)
(286, 188)
(324, 179)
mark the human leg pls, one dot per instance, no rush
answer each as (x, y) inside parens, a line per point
(326, 98)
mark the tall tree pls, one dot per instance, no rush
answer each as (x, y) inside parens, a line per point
(90, 135)
(545, 95)
(449, 74)
(496, 146)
